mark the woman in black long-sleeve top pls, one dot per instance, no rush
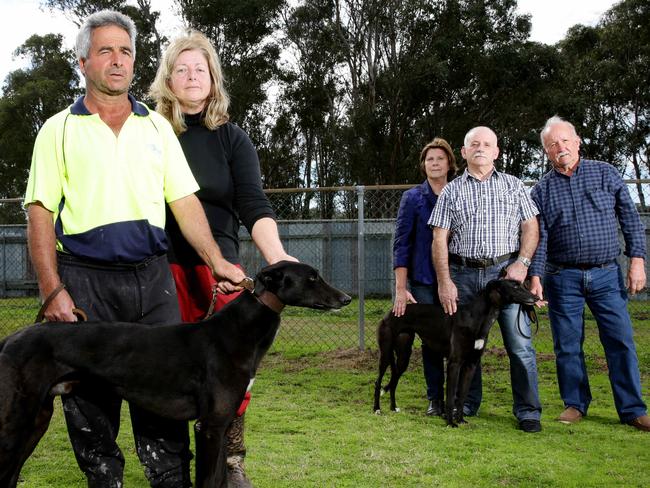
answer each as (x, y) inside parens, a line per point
(189, 92)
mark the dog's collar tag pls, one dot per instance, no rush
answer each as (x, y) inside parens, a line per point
(248, 283)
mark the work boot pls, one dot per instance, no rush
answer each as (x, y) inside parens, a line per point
(436, 408)
(236, 452)
(236, 475)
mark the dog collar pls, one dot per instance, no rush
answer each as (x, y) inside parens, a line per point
(271, 300)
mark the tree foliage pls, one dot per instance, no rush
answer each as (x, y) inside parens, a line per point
(346, 92)
(30, 97)
(607, 85)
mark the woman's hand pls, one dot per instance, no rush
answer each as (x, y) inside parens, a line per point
(402, 298)
(228, 276)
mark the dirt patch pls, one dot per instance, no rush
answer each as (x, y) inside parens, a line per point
(350, 359)
(355, 360)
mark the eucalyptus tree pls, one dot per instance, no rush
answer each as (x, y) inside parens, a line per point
(30, 96)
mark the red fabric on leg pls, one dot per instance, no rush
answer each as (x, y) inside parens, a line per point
(244, 404)
(194, 290)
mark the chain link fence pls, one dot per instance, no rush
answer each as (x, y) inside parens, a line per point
(345, 232)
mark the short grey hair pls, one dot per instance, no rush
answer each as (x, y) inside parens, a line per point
(474, 129)
(101, 19)
(556, 119)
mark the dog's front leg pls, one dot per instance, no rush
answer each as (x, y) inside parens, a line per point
(210, 443)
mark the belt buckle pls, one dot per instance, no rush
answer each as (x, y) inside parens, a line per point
(478, 262)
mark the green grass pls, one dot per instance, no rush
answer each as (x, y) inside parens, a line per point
(311, 423)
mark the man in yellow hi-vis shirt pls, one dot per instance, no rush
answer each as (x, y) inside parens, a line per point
(102, 171)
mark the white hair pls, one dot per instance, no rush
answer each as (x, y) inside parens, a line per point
(556, 119)
(474, 129)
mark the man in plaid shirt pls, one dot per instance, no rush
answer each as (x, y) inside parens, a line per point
(581, 203)
(485, 226)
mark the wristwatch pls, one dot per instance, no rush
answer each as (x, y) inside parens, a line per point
(524, 261)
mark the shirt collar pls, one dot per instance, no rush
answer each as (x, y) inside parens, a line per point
(79, 108)
(466, 175)
(573, 170)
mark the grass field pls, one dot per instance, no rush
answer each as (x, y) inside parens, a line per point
(311, 423)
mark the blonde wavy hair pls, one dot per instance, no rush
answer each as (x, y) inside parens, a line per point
(168, 105)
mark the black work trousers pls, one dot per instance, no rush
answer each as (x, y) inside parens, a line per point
(143, 293)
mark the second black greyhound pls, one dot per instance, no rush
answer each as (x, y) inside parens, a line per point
(460, 338)
(185, 371)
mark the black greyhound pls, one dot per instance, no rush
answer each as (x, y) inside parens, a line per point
(460, 338)
(185, 371)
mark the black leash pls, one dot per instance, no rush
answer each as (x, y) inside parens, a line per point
(532, 315)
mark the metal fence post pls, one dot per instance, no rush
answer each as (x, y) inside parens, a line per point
(361, 258)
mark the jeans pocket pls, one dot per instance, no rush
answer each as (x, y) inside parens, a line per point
(611, 266)
(551, 269)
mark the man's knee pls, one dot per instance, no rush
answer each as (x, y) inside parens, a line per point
(166, 469)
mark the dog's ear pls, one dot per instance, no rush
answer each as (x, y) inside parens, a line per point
(494, 289)
(495, 296)
(269, 279)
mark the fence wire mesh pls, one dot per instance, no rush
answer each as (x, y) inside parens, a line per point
(346, 233)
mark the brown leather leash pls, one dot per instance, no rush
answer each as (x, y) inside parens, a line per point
(40, 316)
(247, 283)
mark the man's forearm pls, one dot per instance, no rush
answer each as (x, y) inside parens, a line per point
(529, 238)
(41, 242)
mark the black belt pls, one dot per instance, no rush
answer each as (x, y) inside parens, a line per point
(582, 266)
(107, 265)
(480, 262)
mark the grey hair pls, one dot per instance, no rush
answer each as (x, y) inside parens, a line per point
(101, 19)
(556, 119)
(472, 130)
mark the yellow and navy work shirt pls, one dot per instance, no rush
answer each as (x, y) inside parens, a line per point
(107, 192)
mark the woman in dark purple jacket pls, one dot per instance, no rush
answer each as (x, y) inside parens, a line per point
(412, 254)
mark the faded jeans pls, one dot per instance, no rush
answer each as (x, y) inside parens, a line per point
(523, 361)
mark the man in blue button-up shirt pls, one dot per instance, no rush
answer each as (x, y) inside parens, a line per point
(580, 203)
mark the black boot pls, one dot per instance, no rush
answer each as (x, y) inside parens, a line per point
(436, 408)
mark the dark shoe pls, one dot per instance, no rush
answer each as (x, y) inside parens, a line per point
(530, 425)
(570, 416)
(468, 412)
(436, 408)
(641, 423)
(236, 475)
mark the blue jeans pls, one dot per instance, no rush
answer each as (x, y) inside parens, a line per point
(603, 290)
(523, 362)
(432, 362)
